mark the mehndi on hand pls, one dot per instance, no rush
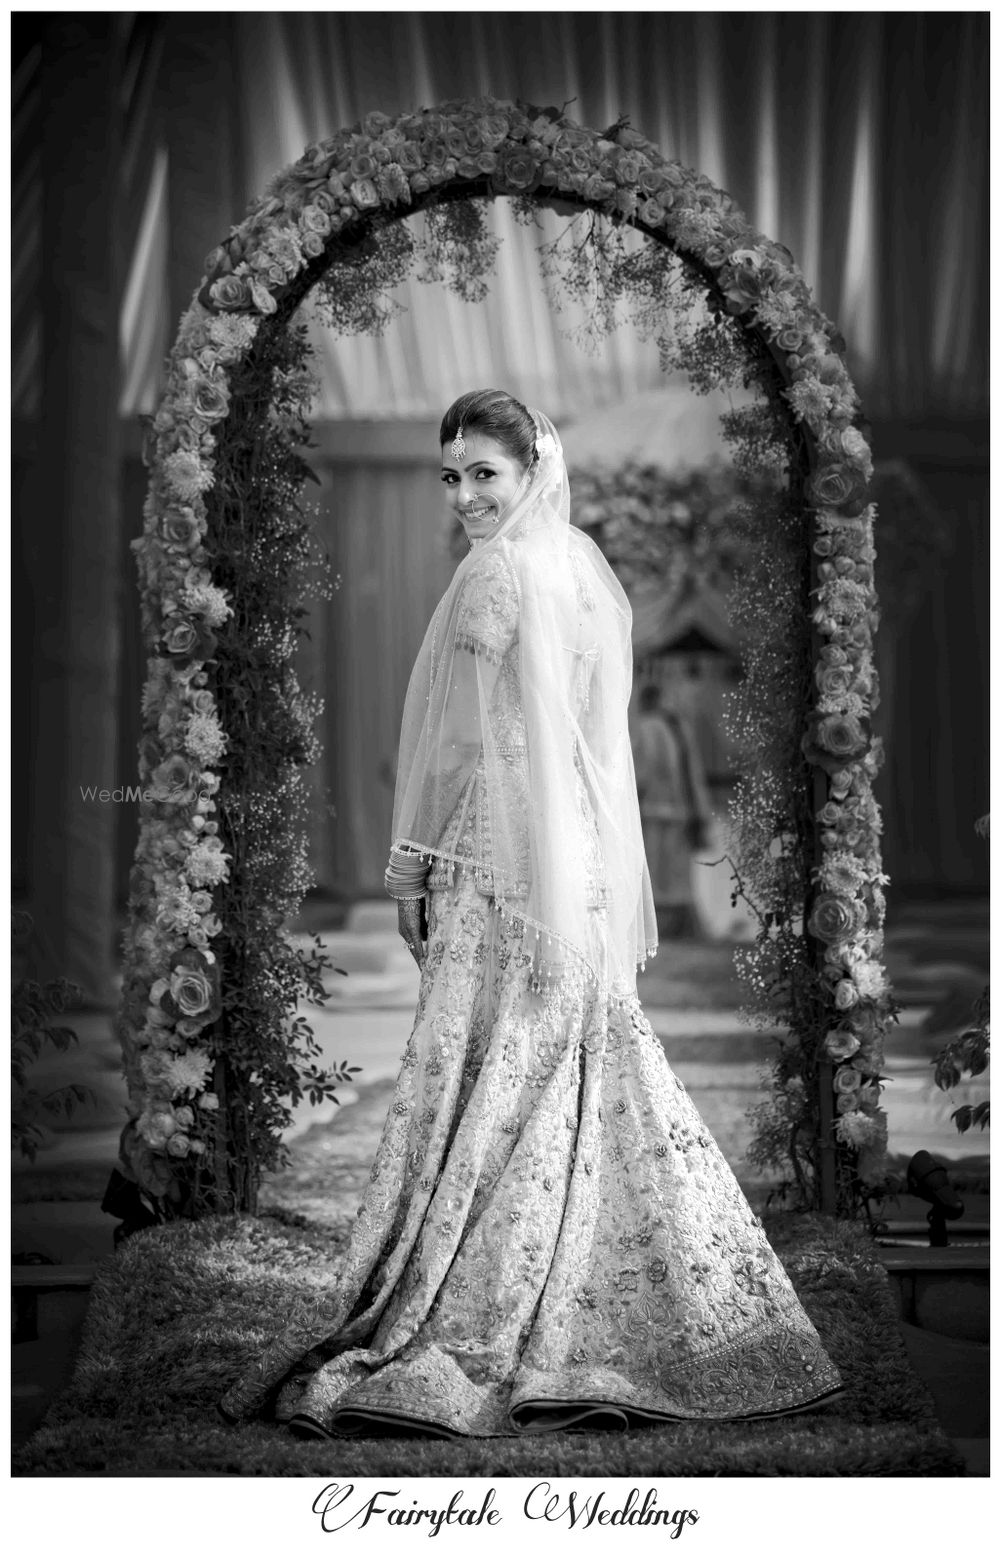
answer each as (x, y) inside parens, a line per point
(413, 927)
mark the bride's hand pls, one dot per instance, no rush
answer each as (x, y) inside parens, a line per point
(413, 927)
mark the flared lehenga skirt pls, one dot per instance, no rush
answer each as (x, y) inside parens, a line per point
(550, 1235)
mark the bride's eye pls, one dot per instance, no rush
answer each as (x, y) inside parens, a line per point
(449, 478)
(484, 473)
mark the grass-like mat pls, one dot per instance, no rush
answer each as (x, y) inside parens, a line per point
(176, 1312)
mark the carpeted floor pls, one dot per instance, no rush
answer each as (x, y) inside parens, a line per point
(178, 1310)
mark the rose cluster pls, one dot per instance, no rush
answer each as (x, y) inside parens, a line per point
(507, 148)
(171, 991)
(849, 911)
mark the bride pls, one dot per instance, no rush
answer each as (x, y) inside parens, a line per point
(550, 1235)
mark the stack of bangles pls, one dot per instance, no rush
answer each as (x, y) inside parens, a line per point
(406, 875)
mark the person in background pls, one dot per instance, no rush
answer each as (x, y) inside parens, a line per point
(675, 808)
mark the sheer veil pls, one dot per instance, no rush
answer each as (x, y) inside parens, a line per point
(573, 658)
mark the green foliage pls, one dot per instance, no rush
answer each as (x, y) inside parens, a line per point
(449, 244)
(268, 561)
(34, 1009)
(968, 1054)
(611, 274)
(354, 296)
(457, 249)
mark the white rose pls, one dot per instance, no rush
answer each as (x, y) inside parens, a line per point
(157, 1128)
(839, 1045)
(870, 980)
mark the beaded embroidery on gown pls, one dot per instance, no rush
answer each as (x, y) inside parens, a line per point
(550, 1235)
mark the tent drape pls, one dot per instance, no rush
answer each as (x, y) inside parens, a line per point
(857, 139)
(71, 551)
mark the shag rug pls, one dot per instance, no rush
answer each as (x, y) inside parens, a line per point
(176, 1312)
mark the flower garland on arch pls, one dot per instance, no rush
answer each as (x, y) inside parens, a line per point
(849, 910)
(304, 227)
(220, 864)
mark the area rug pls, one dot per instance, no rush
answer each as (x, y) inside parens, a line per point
(177, 1310)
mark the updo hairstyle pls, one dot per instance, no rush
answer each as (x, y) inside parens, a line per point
(494, 414)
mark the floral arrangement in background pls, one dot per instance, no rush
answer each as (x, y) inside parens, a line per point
(207, 979)
(675, 526)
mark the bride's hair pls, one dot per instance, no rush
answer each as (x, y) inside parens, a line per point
(497, 415)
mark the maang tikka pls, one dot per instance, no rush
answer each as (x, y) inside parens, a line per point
(458, 446)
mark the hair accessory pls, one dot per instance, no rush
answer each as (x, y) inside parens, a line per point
(458, 446)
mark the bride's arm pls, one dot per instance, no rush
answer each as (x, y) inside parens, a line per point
(473, 678)
(472, 683)
(485, 628)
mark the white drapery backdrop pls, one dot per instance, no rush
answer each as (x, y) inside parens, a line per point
(857, 139)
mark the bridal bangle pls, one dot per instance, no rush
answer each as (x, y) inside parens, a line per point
(406, 875)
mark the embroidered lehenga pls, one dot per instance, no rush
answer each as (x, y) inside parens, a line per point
(550, 1236)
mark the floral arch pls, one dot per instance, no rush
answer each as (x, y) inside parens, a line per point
(214, 1052)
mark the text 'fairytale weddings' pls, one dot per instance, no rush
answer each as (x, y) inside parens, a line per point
(342, 1506)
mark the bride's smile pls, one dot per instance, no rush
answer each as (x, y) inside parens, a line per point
(481, 484)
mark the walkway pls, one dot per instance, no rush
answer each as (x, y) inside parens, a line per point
(937, 958)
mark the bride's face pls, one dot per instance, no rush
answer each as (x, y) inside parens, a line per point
(479, 487)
